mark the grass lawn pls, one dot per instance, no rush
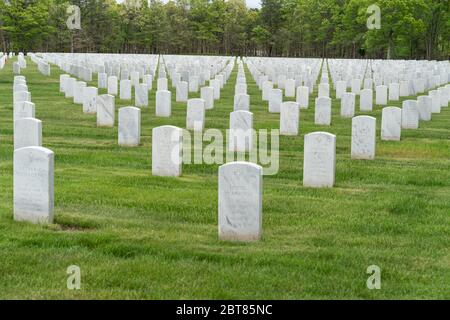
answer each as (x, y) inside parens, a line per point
(136, 236)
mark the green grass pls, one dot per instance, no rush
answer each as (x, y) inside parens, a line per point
(139, 236)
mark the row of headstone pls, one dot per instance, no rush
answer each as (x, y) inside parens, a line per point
(27, 129)
(43, 66)
(123, 67)
(104, 105)
(32, 164)
(402, 78)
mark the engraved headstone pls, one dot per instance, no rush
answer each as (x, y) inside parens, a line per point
(193, 84)
(289, 90)
(348, 105)
(267, 87)
(289, 118)
(404, 88)
(435, 101)
(62, 79)
(341, 87)
(324, 90)
(69, 87)
(33, 185)
(424, 107)
(129, 126)
(195, 118)
(410, 114)
(163, 103)
(207, 94)
(161, 84)
(167, 151)
(20, 96)
(363, 137)
(78, 92)
(241, 131)
(242, 102)
(113, 85)
(394, 94)
(356, 86)
(27, 133)
(141, 95)
(381, 95)
(102, 81)
(366, 100)
(319, 160)
(90, 100)
(182, 91)
(24, 109)
(303, 97)
(125, 89)
(216, 85)
(240, 201)
(240, 88)
(105, 110)
(322, 113)
(391, 123)
(275, 100)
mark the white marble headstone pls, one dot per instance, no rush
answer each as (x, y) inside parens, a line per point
(125, 89)
(69, 87)
(129, 126)
(289, 90)
(322, 113)
(381, 95)
(167, 151)
(113, 85)
(424, 107)
(182, 91)
(105, 110)
(366, 100)
(267, 87)
(289, 118)
(410, 114)
(348, 105)
(275, 100)
(391, 123)
(241, 131)
(303, 97)
(163, 103)
(161, 84)
(90, 100)
(62, 79)
(319, 160)
(242, 102)
(195, 117)
(394, 92)
(216, 85)
(341, 87)
(240, 201)
(141, 95)
(27, 133)
(78, 92)
(20, 96)
(324, 90)
(207, 94)
(102, 81)
(363, 137)
(24, 109)
(33, 185)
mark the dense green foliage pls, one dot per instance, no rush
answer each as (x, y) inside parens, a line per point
(332, 28)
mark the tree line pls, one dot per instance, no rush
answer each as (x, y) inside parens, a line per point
(409, 29)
